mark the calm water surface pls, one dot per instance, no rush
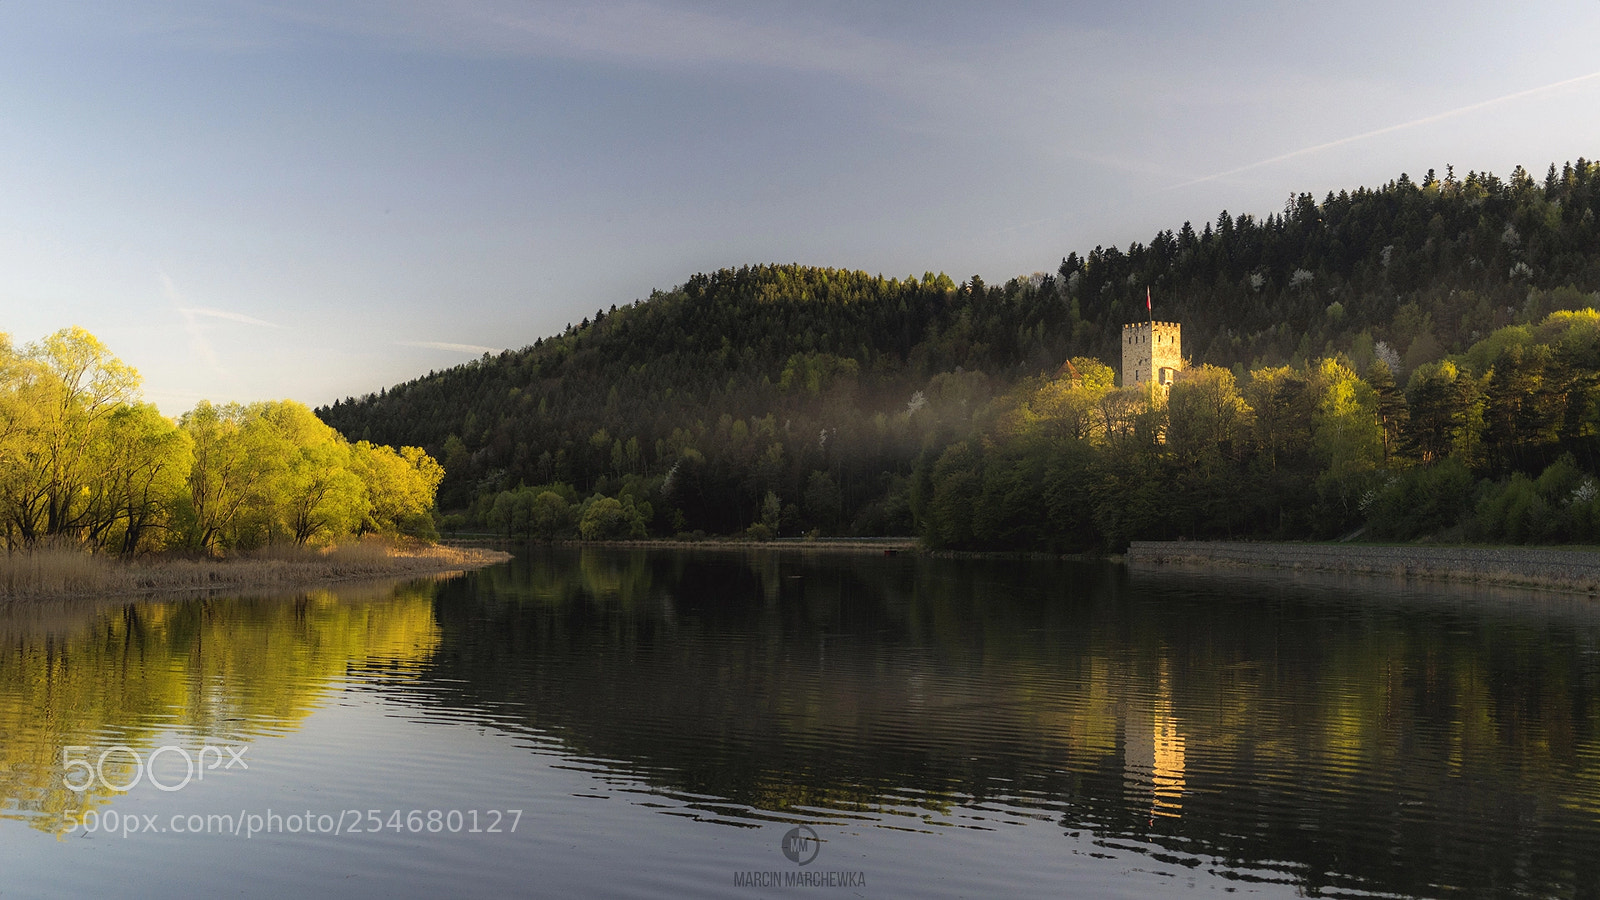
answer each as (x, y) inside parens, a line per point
(657, 724)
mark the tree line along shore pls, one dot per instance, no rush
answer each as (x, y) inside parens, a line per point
(101, 494)
(85, 463)
(1415, 361)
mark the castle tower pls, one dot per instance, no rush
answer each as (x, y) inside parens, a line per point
(1151, 351)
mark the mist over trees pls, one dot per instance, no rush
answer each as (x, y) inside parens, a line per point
(84, 461)
(1354, 361)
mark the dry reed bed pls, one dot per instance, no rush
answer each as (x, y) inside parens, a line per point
(65, 572)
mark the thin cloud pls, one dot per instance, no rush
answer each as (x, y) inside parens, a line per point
(629, 31)
(191, 326)
(1414, 123)
(224, 314)
(471, 349)
(973, 83)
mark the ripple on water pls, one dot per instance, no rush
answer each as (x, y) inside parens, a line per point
(951, 727)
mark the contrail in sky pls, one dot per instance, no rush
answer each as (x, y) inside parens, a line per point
(473, 349)
(1425, 120)
(224, 314)
(197, 338)
(191, 316)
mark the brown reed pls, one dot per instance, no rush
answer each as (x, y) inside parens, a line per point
(50, 572)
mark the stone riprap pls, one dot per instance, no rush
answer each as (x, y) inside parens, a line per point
(1566, 570)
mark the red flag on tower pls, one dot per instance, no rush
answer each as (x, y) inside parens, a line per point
(1148, 308)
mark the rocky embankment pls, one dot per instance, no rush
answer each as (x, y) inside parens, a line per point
(1565, 570)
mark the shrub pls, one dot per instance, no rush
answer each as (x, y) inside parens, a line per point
(1420, 501)
(609, 519)
(1514, 511)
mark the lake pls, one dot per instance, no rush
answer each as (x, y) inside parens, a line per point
(733, 724)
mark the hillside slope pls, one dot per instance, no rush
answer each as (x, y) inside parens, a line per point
(805, 397)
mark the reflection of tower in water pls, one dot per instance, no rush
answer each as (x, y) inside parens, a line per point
(1153, 750)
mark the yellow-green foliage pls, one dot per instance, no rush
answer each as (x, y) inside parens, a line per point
(607, 518)
(83, 461)
(1316, 449)
(80, 669)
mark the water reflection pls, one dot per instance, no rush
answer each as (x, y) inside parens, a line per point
(1324, 737)
(186, 673)
(1153, 751)
(1384, 739)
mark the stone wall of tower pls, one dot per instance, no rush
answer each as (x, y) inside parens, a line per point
(1151, 349)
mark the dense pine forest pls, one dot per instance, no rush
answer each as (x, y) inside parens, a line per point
(1416, 360)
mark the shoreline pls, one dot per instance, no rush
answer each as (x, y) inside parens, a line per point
(891, 546)
(888, 546)
(1568, 571)
(68, 574)
(29, 576)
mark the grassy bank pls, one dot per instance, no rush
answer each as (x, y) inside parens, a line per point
(71, 572)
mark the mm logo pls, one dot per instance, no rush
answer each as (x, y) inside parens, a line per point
(801, 845)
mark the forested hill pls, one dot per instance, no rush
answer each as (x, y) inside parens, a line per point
(804, 398)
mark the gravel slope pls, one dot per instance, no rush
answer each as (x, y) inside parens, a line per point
(1567, 570)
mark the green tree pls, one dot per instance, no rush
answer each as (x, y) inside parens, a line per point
(1070, 406)
(550, 516)
(400, 488)
(148, 464)
(1522, 408)
(607, 518)
(1348, 439)
(233, 458)
(1283, 404)
(314, 492)
(822, 500)
(957, 481)
(1392, 412)
(1206, 414)
(771, 512)
(1347, 433)
(63, 395)
(1446, 414)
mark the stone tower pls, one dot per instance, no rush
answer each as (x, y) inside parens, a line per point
(1151, 351)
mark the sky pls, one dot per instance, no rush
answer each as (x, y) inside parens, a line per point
(313, 199)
